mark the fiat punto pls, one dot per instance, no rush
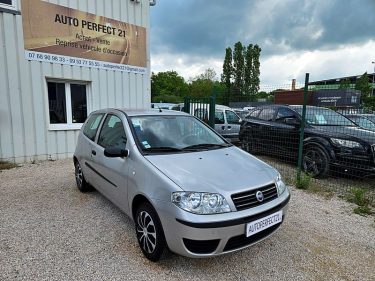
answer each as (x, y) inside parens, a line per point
(186, 188)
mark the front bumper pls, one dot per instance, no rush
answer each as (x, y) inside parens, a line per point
(211, 235)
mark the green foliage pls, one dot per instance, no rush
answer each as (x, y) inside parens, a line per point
(363, 210)
(167, 99)
(238, 66)
(168, 83)
(369, 103)
(358, 196)
(226, 76)
(363, 85)
(255, 73)
(302, 181)
(344, 84)
(245, 70)
(203, 84)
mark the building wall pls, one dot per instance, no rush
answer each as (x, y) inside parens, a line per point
(24, 117)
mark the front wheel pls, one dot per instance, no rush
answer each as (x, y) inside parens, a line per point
(82, 184)
(316, 162)
(149, 232)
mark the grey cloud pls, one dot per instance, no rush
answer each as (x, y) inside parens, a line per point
(206, 28)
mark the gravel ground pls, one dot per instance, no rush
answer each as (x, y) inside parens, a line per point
(50, 231)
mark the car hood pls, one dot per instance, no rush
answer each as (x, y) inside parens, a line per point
(225, 170)
(348, 132)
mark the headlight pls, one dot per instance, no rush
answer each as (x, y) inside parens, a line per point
(280, 185)
(201, 202)
(346, 143)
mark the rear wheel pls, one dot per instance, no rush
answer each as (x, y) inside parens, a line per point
(149, 232)
(82, 184)
(246, 145)
(316, 162)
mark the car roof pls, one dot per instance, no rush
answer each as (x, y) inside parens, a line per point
(142, 112)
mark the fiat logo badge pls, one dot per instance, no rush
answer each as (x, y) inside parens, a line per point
(259, 195)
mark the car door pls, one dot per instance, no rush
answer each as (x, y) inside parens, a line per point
(262, 134)
(219, 122)
(285, 136)
(233, 125)
(111, 173)
(84, 147)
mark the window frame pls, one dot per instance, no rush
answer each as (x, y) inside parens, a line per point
(102, 123)
(9, 8)
(69, 125)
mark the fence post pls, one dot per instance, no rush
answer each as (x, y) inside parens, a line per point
(187, 105)
(302, 129)
(211, 116)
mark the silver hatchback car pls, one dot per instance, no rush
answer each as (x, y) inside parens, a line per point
(185, 187)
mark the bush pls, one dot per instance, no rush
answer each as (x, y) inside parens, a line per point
(303, 181)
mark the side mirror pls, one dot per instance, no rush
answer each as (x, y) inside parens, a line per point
(116, 151)
(292, 121)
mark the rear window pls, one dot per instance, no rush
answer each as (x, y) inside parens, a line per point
(267, 114)
(92, 125)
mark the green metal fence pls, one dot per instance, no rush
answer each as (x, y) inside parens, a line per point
(203, 108)
(322, 136)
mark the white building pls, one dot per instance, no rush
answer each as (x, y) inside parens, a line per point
(62, 59)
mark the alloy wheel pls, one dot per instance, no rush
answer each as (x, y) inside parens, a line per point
(146, 232)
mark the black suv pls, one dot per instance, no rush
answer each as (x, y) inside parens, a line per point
(330, 139)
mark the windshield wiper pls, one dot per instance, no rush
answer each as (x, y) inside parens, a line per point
(206, 145)
(162, 149)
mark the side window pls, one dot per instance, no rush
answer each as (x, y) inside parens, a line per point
(254, 113)
(267, 114)
(232, 118)
(219, 117)
(284, 113)
(112, 132)
(92, 126)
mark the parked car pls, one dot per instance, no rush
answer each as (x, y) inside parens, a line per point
(363, 120)
(227, 122)
(330, 139)
(242, 113)
(186, 188)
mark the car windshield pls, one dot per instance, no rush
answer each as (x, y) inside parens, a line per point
(363, 122)
(371, 118)
(324, 117)
(174, 134)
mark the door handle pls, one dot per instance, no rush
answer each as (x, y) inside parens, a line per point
(229, 127)
(93, 152)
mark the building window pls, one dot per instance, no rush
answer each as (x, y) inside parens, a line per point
(67, 104)
(8, 4)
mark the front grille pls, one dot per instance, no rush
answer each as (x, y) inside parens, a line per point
(201, 246)
(247, 199)
(240, 241)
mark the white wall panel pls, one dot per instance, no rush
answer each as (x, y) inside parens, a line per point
(24, 116)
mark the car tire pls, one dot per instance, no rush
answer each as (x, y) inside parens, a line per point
(315, 162)
(81, 182)
(149, 231)
(247, 145)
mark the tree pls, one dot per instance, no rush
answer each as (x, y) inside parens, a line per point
(168, 86)
(344, 84)
(254, 86)
(363, 85)
(238, 66)
(202, 85)
(248, 69)
(227, 75)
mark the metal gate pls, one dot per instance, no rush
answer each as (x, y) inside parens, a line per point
(202, 108)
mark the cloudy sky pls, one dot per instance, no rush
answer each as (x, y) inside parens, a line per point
(327, 38)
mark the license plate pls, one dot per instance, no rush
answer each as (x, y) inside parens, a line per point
(263, 223)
